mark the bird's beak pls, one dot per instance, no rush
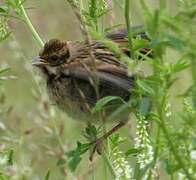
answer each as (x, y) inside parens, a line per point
(38, 61)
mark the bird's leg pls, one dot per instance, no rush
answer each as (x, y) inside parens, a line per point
(97, 143)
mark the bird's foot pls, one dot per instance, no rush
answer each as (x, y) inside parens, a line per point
(97, 144)
(97, 147)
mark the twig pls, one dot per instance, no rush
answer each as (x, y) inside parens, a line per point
(84, 31)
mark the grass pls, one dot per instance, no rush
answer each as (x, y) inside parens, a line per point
(37, 141)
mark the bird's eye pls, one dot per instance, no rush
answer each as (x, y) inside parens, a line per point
(55, 58)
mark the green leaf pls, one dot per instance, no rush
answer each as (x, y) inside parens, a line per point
(116, 139)
(102, 102)
(132, 152)
(2, 70)
(5, 36)
(145, 106)
(2, 177)
(10, 157)
(145, 87)
(119, 110)
(29, 8)
(82, 148)
(140, 43)
(91, 131)
(60, 162)
(157, 44)
(103, 13)
(73, 163)
(112, 27)
(11, 3)
(71, 153)
(3, 9)
(47, 175)
(74, 155)
(174, 42)
(179, 66)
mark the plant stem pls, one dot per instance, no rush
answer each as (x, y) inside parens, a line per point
(108, 164)
(128, 25)
(156, 152)
(27, 21)
(92, 10)
(193, 67)
(137, 172)
(169, 140)
(145, 8)
(106, 149)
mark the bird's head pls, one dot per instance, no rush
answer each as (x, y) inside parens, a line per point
(54, 53)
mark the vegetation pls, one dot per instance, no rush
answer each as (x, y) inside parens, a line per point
(37, 141)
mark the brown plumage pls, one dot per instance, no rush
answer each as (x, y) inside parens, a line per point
(67, 68)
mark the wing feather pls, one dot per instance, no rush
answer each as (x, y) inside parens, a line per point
(120, 37)
(107, 78)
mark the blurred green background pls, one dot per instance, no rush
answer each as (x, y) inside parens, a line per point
(32, 127)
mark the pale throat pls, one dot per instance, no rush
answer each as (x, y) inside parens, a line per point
(52, 69)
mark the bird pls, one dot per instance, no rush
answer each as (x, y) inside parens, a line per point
(79, 74)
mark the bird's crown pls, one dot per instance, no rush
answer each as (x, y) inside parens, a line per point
(54, 52)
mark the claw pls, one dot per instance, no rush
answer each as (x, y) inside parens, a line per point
(97, 146)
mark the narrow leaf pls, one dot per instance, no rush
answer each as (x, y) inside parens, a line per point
(60, 162)
(73, 163)
(132, 151)
(3, 9)
(4, 69)
(102, 102)
(145, 87)
(145, 106)
(47, 175)
(10, 157)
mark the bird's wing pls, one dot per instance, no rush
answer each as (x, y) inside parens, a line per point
(108, 68)
(121, 33)
(107, 75)
(120, 36)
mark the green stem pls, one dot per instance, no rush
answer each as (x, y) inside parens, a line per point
(170, 143)
(156, 152)
(105, 150)
(30, 26)
(82, 5)
(193, 67)
(145, 8)
(104, 154)
(137, 171)
(128, 25)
